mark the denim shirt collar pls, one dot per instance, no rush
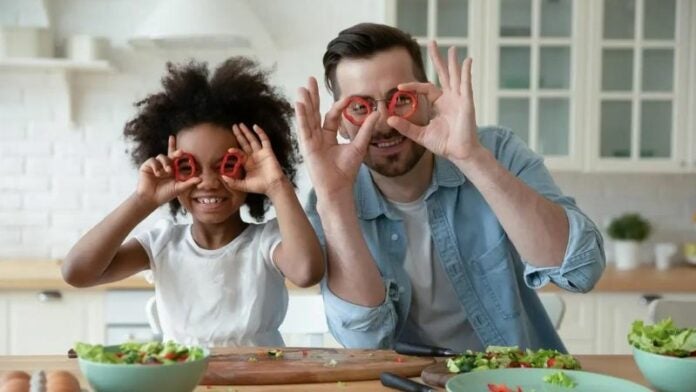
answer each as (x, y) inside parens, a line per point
(371, 204)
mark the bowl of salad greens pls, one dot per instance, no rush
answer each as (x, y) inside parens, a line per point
(665, 354)
(142, 367)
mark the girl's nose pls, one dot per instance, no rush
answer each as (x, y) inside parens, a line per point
(210, 179)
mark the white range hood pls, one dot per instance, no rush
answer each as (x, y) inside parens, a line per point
(202, 24)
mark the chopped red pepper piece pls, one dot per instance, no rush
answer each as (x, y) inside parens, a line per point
(184, 167)
(399, 360)
(232, 164)
(551, 362)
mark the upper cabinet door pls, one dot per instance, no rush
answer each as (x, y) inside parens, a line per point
(640, 54)
(457, 23)
(535, 52)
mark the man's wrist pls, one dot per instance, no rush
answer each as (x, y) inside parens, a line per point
(480, 161)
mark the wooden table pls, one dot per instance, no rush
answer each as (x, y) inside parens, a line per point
(614, 365)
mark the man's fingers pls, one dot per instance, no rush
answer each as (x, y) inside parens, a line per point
(439, 65)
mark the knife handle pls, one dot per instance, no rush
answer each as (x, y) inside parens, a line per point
(397, 382)
(422, 350)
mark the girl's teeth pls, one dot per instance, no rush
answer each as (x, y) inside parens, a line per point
(209, 200)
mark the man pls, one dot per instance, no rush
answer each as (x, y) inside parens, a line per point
(436, 231)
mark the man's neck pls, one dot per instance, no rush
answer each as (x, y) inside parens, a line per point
(410, 186)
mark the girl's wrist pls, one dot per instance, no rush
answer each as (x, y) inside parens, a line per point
(279, 187)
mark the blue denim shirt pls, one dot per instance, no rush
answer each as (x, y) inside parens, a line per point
(493, 283)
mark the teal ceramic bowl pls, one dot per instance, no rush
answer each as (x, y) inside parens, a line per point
(178, 377)
(667, 374)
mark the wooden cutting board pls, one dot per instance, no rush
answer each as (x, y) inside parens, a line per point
(437, 374)
(253, 365)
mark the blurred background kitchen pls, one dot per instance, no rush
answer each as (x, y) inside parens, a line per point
(604, 89)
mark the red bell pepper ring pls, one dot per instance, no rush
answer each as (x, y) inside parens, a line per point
(184, 167)
(232, 164)
(367, 106)
(502, 388)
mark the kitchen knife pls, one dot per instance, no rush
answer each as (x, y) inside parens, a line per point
(422, 350)
(397, 382)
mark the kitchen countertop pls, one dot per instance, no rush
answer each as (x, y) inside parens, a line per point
(621, 366)
(45, 275)
(644, 279)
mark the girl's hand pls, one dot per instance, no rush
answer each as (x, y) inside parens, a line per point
(332, 167)
(263, 172)
(157, 184)
(452, 133)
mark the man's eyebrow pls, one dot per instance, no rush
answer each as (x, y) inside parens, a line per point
(389, 93)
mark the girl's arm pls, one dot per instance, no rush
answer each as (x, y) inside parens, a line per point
(299, 256)
(100, 256)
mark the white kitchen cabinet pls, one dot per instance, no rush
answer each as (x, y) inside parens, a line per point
(536, 80)
(50, 322)
(638, 104)
(598, 85)
(599, 323)
(305, 322)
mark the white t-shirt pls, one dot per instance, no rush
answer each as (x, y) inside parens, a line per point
(436, 316)
(232, 296)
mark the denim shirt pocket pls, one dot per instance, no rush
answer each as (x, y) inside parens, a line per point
(496, 280)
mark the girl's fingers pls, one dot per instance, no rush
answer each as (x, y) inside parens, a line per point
(155, 167)
(265, 141)
(439, 65)
(165, 162)
(181, 186)
(234, 184)
(241, 139)
(251, 138)
(171, 145)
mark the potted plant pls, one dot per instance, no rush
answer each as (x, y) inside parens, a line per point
(628, 231)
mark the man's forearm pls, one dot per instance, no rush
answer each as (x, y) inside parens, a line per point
(536, 226)
(352, 273)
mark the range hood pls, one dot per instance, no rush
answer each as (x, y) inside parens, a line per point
(202, 24)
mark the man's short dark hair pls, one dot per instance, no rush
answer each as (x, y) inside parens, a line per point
(363, 41)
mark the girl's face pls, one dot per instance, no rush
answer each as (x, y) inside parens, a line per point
(210, 201)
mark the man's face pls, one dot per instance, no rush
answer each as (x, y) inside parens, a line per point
(389, 153)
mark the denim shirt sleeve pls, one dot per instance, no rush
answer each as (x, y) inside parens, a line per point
(355, 326)
(584, 259)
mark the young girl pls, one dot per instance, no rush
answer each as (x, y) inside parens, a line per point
(219, 281)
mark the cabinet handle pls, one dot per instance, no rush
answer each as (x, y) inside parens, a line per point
(646, 299)
(50, 296)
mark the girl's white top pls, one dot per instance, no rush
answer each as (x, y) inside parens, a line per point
(232, 296)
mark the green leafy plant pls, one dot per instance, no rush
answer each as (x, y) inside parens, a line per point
(629, 227)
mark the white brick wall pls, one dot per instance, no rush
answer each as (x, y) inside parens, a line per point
(57, 180)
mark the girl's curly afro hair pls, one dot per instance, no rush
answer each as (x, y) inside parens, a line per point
(238, 92)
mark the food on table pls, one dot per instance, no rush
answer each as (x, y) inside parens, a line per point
(498, 357)
(275, 353)
(63, 381)
(561, 379)
(151, 353)
(663, 338)
(502, 388)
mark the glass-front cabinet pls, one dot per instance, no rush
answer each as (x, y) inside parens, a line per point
(598, 85)
(448, 22)
(535, 46)
(639, 93)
